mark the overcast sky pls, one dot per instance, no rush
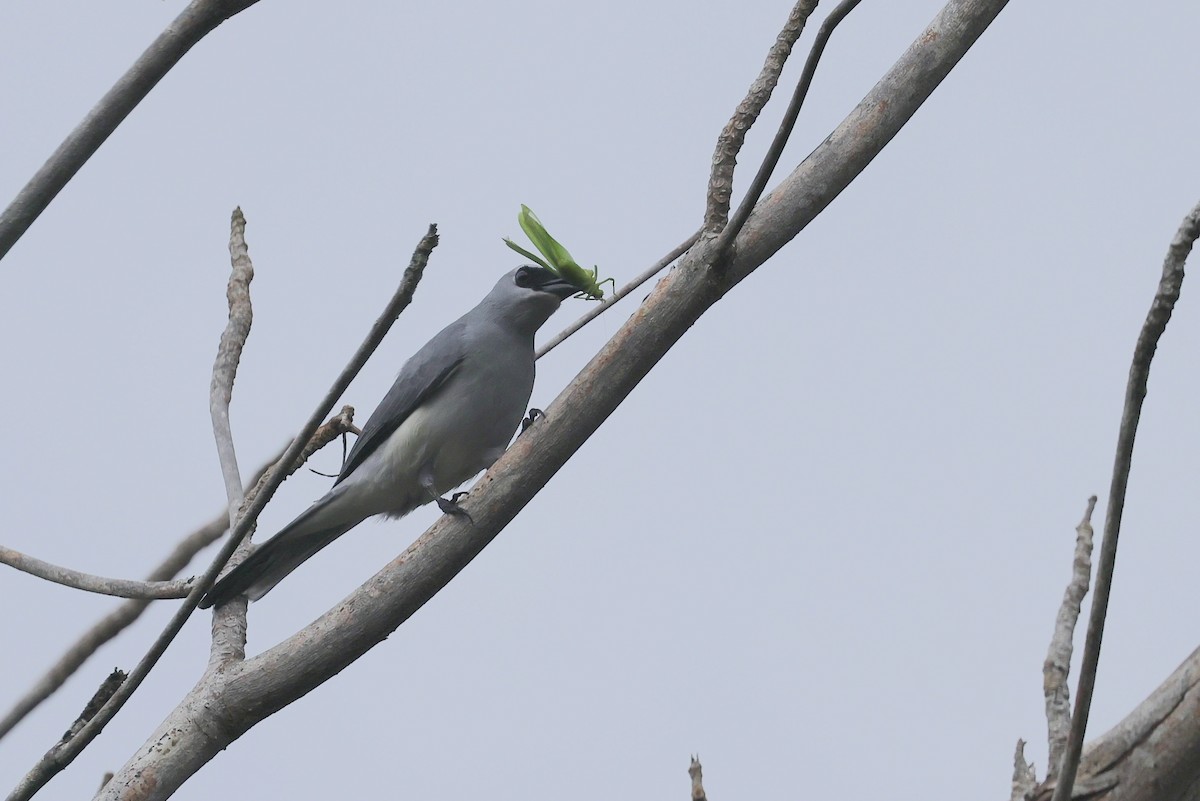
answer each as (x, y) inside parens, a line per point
(822, 544)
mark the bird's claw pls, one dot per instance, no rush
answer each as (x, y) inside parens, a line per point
(450, 506)
(534, 414)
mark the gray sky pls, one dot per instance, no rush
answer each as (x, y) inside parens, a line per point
(822, 544)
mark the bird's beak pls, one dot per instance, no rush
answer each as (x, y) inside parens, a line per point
(558, 287)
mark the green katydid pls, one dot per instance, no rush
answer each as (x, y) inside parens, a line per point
(557, 259)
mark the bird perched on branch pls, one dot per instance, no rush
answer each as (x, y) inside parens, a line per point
(450, 414)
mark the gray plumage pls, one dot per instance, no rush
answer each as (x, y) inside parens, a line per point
(449, 415)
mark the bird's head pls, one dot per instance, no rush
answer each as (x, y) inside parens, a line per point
(528, 295)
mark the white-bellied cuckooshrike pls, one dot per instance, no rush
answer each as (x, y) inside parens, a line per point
(450, 414)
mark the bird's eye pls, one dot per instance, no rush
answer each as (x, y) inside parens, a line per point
(522, 278)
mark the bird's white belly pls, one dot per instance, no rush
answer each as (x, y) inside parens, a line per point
(445, 446)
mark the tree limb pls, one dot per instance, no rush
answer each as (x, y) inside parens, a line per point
(229, 622)
(1165, 297)
(1151, 754)
(61, 756)
(733, 136)
(696, 772)
(1024, 778)
(759, 184)
(229, 355)
(227, 704)
(196, 21)
(124, 615)
(121, 588)
(1057, 666)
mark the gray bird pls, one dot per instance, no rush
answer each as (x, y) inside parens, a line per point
(450, 414)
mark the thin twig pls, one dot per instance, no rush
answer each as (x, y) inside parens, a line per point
(1165, 297)
(58, 758)
(1057, 666)
(229, 623)
(192, 25)
(180, 557)
(759, 184)
(603, 306)
(731, 138)
(121, 588)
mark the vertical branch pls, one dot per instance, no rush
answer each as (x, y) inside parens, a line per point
(1165, 297)
(229, 354)
(229, 622)
(1057, 666)
(731, 138)
(696, 771)
(1024, 779)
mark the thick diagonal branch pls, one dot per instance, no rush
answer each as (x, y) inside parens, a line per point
(221, 710)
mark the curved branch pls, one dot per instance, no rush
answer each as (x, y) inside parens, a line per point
(775, 151)
(229, 355)
(229, 623)
(1161, 307)
(196, 21)
(733, 136)
(121, 588)
(227, 704)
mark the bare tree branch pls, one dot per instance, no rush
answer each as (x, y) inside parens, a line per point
(107, 688)
(729, 144)
(1024, 778)
(229, 354)
(775, 151)
(1151, 754)
(196, 21)
(1165, 297)
(604, 305)
(58, 758)
(124, 615)
(229, 622)
(696, 771)
(1057, 666)
(111, 624)
(733, 136)
(228, 703)
(121, 588)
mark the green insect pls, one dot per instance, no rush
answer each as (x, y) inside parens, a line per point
(557, 259)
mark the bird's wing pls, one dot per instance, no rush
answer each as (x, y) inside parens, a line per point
(419, 379)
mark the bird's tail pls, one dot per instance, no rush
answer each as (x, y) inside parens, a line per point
(272, 561)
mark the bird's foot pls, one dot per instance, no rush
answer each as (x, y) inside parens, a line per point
(534, 414)
(451, 507)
